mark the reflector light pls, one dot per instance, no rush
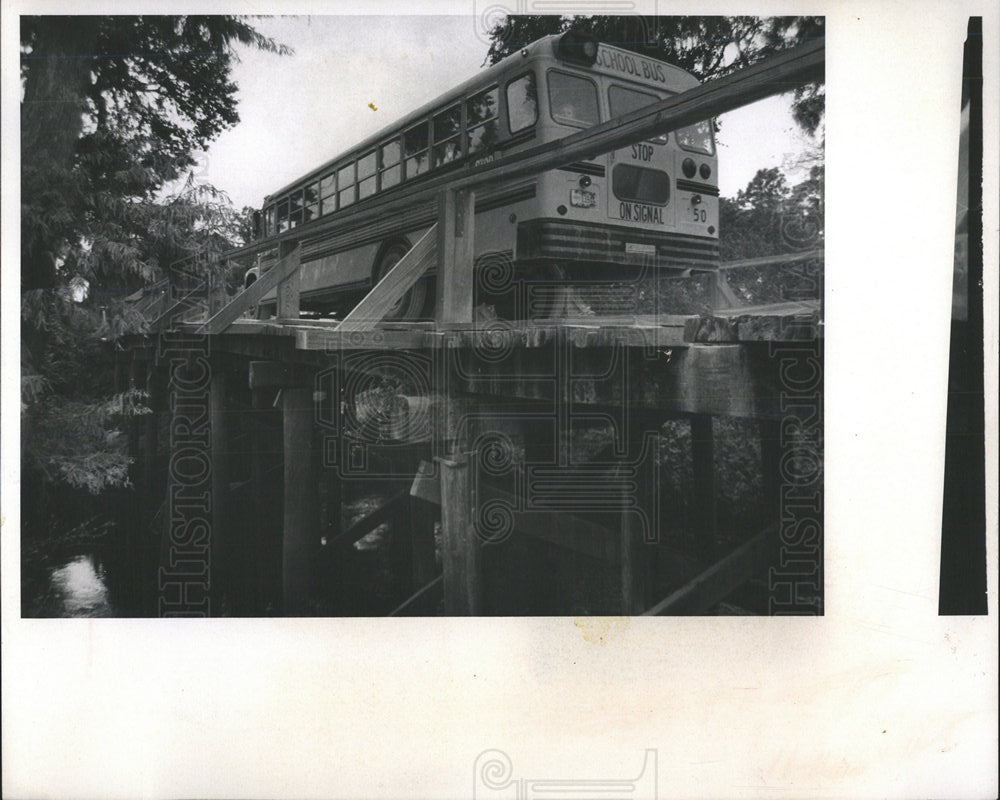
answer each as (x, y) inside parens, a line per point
(705, 171)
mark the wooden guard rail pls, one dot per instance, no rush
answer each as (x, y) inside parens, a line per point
(454, 193)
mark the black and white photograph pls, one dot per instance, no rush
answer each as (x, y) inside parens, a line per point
(339, 326)
(538, 334)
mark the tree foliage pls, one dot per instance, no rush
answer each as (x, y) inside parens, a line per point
(114, 110)
(708, 47)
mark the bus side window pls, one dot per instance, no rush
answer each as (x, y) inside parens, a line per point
(415, 143)
(522, 103)
(366, 175)
(345, 183)
(269, 221)
(481, 113)
(310, 208)
(389, 164)
(447, 141)
(572, 100)
(328, 193)
(295, 208)
(283, 215)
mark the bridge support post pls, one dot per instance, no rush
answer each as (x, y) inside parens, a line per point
(300, 529)
(455, 248)
(639, 524)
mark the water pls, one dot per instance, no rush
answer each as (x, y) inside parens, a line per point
(76, 587)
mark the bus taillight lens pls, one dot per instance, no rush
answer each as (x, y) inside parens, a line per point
(689, 167)
(705, 171)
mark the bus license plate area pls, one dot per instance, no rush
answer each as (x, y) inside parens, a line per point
(579, 198)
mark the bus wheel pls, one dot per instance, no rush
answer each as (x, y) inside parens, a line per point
(411, 306)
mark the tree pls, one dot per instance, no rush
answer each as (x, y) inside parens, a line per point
(770, 218)
(708, 47)
(114, 109)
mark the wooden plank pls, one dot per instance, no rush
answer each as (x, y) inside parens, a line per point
(393, 286)
(336, 340)
(776, 75)
(253, 294)
(301, 502)
(455, 250)
(460, 544)
(721, 579)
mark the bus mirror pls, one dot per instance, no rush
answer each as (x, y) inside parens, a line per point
(577, 47)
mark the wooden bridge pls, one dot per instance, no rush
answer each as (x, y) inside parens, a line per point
(470, 432)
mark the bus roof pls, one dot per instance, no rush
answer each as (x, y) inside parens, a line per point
(611, 61)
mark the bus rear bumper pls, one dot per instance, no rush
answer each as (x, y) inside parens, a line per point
(567, 241)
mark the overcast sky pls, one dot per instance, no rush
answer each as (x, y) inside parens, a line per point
(301, 110)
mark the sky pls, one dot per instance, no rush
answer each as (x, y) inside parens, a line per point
(299, 111)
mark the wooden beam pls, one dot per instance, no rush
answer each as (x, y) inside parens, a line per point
(289, 286)
(721, 579)
(254, 293)
(455, 250)
(780, 73)
(396, 282)
(372, 519)
(300, 531)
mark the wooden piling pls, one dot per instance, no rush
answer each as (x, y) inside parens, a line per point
(301, 503)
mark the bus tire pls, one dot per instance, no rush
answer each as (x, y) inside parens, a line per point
(412, 305)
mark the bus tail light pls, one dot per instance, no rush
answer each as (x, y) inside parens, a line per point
(688, 167)
(705, 171)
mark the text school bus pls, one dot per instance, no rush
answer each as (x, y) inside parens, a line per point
(652, 203)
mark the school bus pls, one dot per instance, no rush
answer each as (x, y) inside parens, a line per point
(654, 203)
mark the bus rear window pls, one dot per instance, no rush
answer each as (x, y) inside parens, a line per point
(572, 100)
(622, 100)
(640, 185)
(697, 138)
